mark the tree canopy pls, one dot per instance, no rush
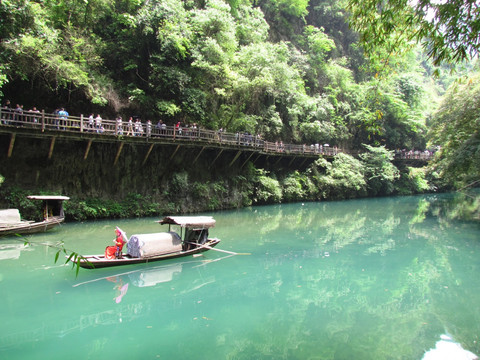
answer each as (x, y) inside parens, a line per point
(288, 70)
(448, 30)
(455, 130)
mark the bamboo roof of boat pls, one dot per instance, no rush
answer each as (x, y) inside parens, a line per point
(189, 221)
(48, 197)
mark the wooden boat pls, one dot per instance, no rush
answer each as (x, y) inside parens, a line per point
(11, 222)
(193, 239)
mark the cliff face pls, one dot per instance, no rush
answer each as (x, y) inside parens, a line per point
(173, 177)
(100, 173)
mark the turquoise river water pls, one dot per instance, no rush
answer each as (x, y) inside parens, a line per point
(389, 278)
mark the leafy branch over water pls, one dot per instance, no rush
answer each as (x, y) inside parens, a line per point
(70, 255)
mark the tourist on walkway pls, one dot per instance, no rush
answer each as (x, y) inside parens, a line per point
(130, 127)
(63, 114)
(119, 126)
(6, 113)
(160, 127)
(149, 128)
(91, 122)
(35, 113)
(138, 128)
(98, 123)
(18, 114)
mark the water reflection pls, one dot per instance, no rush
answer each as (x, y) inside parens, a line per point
(389, 263)
(365, 279)
(120, 297)
(152, 277)
(447, 348)
(12, 251)
(142, 277)
(120, 288)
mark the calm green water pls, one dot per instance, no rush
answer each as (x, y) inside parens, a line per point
(363, 279)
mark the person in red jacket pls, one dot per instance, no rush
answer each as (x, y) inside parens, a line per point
(115, 252)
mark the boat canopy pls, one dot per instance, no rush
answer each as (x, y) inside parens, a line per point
(189, 221)
(48, 197)
(53, 205)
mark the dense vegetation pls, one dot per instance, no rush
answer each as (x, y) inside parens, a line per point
(290, 70)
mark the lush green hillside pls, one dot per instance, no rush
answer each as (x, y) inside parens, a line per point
(290, 70)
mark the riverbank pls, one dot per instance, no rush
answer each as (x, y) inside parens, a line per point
(99, 188)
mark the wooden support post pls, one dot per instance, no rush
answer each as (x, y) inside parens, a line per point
(279, 158)
(251, 154)
(52, 145)
(10, 147)
(119, 151)
(258, 157)
(81, 123)
(43, 120)
(88, 149)
(198, 155)
(303, 162)
(291, 161)
(178, 147)
(216, 157)
(235, 158)
(148, 154)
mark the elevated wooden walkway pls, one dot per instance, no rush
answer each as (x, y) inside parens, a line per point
(74, 128)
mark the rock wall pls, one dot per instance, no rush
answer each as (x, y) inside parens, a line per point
(164, 173)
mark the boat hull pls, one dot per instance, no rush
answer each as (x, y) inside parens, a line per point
(31, 228)
(99, 261)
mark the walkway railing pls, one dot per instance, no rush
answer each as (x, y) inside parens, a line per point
(56, 122)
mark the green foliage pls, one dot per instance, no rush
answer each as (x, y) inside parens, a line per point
(167, 21)
(448, 30)
(418, 177)
(63, 56)
(3, 78)
(318, 43)
(297, 8)
(215, 41)
(16, 198)
(455, 129)
(292, 188)
(380, 173)
(167, 108)
(342, 179)
(410, 88)
(134, 205)
(390, 113)
(267, 189)
(211, 194)
(317, 131)
(251, 26)
(413, 181)
(179, 185)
